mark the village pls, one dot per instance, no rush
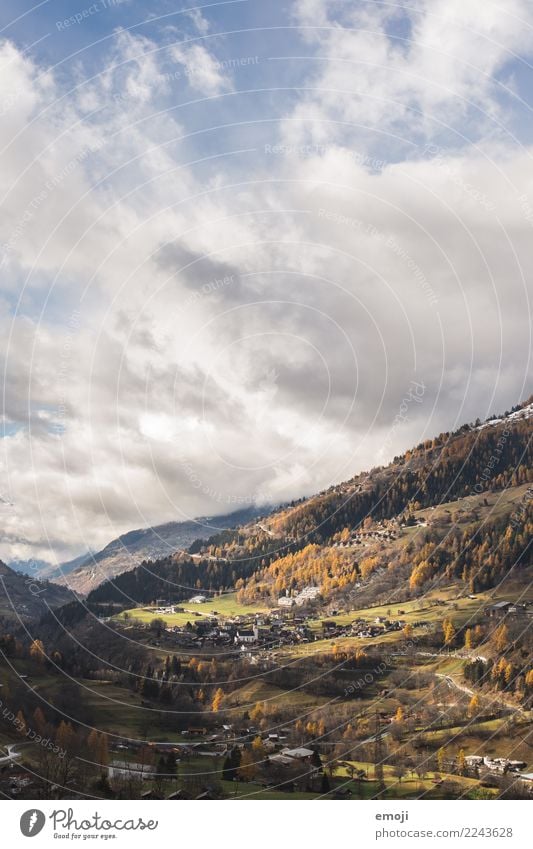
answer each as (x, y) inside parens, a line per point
(291, 623)
(134, 760)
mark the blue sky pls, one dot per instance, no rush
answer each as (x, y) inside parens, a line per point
(232, 238)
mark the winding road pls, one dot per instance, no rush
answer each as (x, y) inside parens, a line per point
(12, 755)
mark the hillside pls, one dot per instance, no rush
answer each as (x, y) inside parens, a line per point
(131, 549)
(27, 598)
(359, 538)
(381, 628)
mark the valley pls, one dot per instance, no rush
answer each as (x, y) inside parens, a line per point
(373, 641)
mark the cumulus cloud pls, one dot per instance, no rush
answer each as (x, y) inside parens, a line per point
(204, 73)
(180, 339)
(422, 71)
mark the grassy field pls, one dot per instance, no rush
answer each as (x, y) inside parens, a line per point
(221, 606)
(258, 690)
(410, 785)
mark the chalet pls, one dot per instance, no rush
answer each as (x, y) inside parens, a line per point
(281, 760)
(503, 765)
(307, 594)
(286, 601)
(299, 754)
(129, 769)
(179, 794)
(498, 609)
(474, 760)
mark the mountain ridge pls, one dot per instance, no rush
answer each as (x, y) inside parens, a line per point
(129, 549)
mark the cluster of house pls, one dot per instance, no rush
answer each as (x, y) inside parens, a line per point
(385, 534)
(261, 631)
(216, 738)
(16, 783)
(501, 765)
(483, 766)
(166, 608)
(363, 628)
(201, 742)
(299, 599)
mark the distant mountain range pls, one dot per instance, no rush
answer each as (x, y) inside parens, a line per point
(86, 572)
(44, 570)
(464, 491)
(452, 466)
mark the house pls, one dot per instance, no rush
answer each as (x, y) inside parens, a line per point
(281, 760)
(286, 601)
(179, 794)
(150, 794)
(129, 769)
(299, 754)
(498, 609)
(515, 766)
(198, 599)
(307, 594)
(474, 760)
(247, 636)
(503, 765)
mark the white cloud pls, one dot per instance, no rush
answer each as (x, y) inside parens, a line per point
(443, 75)
(203, 72)
(187, 339)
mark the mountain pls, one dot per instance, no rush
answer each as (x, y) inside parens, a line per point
(410, 648)
(465, 489)
(129, 550)
(26, 598)
(33, 566)
(44, 570)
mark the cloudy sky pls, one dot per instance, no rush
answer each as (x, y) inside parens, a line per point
(238, 240)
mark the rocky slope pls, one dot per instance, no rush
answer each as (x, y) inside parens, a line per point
(131, 549)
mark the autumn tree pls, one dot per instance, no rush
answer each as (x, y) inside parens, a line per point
(257, 712)
(500, 638)
(448, 631)
(37, 651)
(421, 573)
(399, 716)
(258, 749)
(474, 705)
(21, 723)
(218, 698)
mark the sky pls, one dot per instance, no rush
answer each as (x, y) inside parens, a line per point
(248, 250)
